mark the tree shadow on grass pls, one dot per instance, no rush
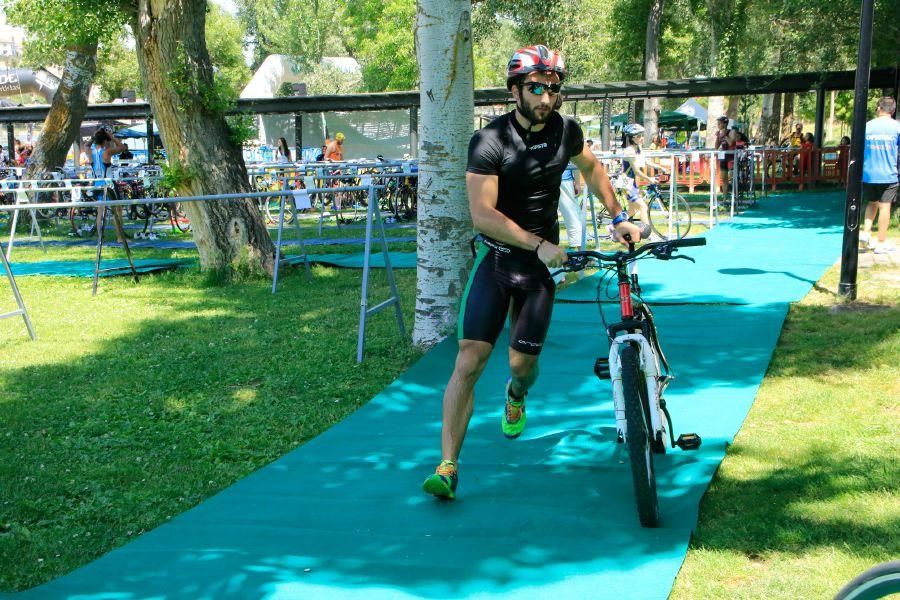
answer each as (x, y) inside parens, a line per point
(816, 499)
(205, 387)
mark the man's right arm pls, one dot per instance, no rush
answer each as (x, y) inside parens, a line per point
(483, 192)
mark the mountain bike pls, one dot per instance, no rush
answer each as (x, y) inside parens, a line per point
(637, 368)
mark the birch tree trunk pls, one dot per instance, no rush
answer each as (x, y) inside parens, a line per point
(765, 118)
(651, 67)
(67, 110)
(177, 74)
(787, 117)
(444, 225)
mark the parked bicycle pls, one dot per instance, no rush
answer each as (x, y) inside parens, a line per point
(662, 208)
(638, 368)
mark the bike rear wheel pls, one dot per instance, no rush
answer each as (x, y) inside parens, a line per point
(659, 216)
(637, 437)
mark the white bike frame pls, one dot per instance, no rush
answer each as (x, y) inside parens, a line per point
(653, 375)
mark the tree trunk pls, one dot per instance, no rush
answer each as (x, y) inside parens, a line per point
(772, 134)
(177, 74)
(734, 107)
(787, 118)
(765, 117)
(651, 67)
(63, 122)
(446, 89)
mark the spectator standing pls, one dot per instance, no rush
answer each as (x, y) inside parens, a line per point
(335, 150)
(4, 157)
(282, 152)
(843, 159)
(806, 150)
(796, 138)
(722, 144)
(880, 167)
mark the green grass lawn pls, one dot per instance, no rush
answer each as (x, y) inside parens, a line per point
(140, 403)
(808, 496)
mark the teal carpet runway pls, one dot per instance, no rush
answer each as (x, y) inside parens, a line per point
(550, 515)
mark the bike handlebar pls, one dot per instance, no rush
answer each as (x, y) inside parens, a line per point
(578, 260)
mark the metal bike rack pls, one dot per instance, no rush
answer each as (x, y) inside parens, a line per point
(15, 288)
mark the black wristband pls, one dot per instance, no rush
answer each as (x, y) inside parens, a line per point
(538, 247)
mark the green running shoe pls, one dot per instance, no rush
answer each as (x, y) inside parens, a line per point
(513, 421)
(442, 484)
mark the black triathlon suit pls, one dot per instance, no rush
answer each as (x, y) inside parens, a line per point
(506, 279)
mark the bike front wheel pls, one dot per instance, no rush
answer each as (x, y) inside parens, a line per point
(661, 207)
(637, 437)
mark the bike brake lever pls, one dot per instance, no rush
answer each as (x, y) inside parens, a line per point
(684, 257)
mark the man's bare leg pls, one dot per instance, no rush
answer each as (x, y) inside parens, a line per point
(523, 369)
(884, 220)
(459, 395)
(871, 209)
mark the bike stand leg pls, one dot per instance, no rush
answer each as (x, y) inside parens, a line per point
(21, 303)
(101, 225)
(302, 244)
(120, 231)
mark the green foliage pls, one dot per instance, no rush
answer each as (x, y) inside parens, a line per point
(174, 176)
(380, 34)
(242, 127)
(224, 35)
(306, 30)
(117, 70)
(54, 25)
(324, 79)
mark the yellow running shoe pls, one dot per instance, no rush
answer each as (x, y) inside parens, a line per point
(513, 421)
(442, 484)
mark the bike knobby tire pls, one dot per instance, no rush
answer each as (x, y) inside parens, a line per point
(637, 438)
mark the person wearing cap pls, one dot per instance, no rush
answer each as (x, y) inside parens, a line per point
(335, 150)
(513, 178)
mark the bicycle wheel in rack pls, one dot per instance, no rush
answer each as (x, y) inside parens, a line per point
(659, 216)
(637, 437)
(177, 217)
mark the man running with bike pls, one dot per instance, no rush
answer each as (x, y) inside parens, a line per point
(513, 178)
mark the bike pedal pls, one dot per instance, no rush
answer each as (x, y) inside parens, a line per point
(688, 441)
(601, 368)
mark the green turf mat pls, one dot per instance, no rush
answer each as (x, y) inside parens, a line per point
(774, 252)
(399, 260)
(85, 268)
(548, 515)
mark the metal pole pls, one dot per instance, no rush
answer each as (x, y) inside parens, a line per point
(605, 142)
(364, 301)
(414, 132)
(820, 117)
(713, 185)
(850, 251)
(278, 243)
(15, 288)
(149, 125)
(11, 141)
(734, 178)
(672, 206)
(298, 136)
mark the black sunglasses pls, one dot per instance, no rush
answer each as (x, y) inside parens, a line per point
(538, 89)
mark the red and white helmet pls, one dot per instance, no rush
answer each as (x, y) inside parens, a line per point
(534, 58)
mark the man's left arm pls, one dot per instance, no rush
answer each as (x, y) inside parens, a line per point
(597, 181)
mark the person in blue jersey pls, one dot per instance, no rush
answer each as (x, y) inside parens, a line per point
(105, 145)
(881, 162)
(513, 179)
